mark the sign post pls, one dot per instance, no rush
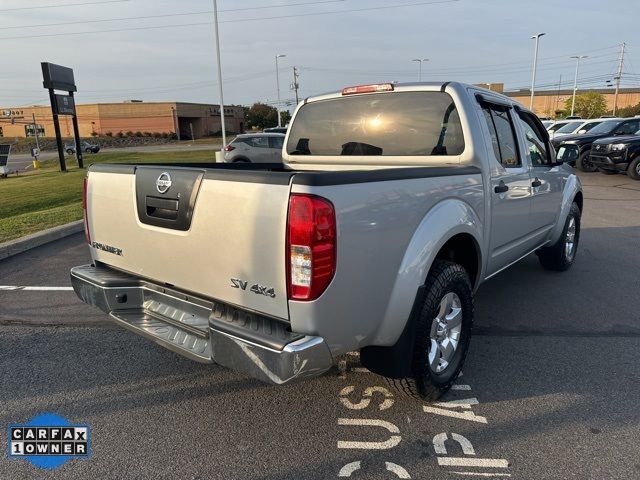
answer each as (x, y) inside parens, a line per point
(57, 77)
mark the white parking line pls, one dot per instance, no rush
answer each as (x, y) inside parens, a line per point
(472, 462)
(13, 288)
(482, 474)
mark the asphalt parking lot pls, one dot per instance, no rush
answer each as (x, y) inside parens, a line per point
(550, 388)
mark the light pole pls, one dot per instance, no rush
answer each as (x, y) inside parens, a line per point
(575, 80)
(420, 60)
(535, 65)
(278, 87)
(215, 23)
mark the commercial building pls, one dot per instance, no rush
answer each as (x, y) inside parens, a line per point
(133, 116)
(547, 102)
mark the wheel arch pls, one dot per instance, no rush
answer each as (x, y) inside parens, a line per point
(450, 231)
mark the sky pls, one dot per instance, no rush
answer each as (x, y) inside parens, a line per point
(167, 50)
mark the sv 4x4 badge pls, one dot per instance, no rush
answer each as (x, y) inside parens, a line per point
(255, 288)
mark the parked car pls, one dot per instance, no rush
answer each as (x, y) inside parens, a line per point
(394, 203)
(87, 147)
(567, 124)
(575, 149)
(556, 125)
(275, 130)
(617, 154)
(577, 127)
(255, 148)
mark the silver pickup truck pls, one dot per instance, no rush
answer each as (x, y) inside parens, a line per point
(393, 203)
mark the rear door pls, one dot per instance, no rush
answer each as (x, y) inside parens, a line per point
(260, 151)
(275, 145)
(546, 180)
(510, 189)
(219, 234)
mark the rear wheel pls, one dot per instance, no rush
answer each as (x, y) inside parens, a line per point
(561, 255)
(584, 164)
(607, 172)
(442, 335)
(241, 160)
(69, 152)
(634, 169)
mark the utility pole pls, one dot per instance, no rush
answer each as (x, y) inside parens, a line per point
(618, 77)
(535, 65)
(215, 23)
(295, 85)
(575, 80)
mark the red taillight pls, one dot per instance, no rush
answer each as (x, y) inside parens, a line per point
(228, 148)
(378, 87)
(311, 246)
(85, 187)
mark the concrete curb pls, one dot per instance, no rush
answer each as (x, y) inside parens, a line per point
(19, 245)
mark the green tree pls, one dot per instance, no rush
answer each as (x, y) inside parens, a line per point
(588, 105)
(630, 111)
(285, 117)
(261, 116)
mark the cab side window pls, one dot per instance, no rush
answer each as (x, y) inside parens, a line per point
(537, 148)
(502, 135)
(260, 142)
(276, 142)
(628, 128)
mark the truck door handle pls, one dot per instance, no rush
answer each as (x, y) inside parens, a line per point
(501, 188)
(536, 183)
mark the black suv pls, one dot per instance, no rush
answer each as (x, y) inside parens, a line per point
(617, 154)
(575, 149)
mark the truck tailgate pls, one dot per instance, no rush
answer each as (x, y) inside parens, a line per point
(211, 232)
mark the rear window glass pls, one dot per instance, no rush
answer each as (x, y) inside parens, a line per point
(400, 124)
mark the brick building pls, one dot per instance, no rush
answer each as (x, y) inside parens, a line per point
(547, 102)
(134, 116)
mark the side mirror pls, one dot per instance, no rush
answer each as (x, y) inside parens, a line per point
(582, 131)
(617, 134)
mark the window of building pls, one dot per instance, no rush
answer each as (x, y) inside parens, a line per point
(30, 130)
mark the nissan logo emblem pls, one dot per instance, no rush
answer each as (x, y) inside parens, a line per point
(163, 183)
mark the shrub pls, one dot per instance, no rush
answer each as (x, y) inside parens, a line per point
(109, 134)
(119, 134)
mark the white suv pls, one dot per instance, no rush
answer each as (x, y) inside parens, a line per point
(255, 148)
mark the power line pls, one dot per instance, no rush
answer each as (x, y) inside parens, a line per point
(62, 5)
(146, 17)
(154, 27)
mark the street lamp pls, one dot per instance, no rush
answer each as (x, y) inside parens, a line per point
(420, 60)
(278, 87)
(575, 80)
(535, 64)
(222, 126)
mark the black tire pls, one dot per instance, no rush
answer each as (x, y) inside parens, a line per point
(69, 152)
(607, 172)
(556, 257)
(424, 383)
(583, 163)
(634, 169)
(241, 160)
(88, 150)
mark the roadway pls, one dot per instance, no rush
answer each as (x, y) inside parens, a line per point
(550, 388)
(23, 161)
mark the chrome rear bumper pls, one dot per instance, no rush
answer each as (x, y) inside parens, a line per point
(203, 330)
